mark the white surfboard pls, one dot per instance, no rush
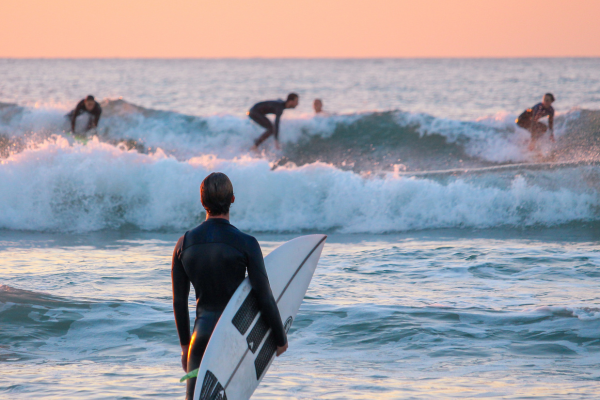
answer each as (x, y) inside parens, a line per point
(242, 348)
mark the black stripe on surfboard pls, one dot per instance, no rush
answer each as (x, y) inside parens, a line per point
(299, 268)
(264, 356)
(279, 298)
(245, 315)
(261, 362)
(257, 334)
(211, 388)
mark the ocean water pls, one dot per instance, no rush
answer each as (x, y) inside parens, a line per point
(458, 263)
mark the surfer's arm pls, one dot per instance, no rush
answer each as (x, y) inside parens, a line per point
(97, 116)
(181, 292)
(260, 283)
(76, 112)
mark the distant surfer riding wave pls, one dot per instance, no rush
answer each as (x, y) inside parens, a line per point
(90, 106)
(258, 113)
(530, 120)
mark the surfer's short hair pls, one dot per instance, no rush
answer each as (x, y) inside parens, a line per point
(550, 96)
(216, 193)
(90, 97)
(292, 97)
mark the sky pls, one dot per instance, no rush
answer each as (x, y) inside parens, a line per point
(298, 28)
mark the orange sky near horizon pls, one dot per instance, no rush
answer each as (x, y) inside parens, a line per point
(307, 28)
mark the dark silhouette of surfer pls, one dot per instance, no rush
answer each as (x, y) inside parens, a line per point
(214, 258)
(88, 105)
(529, 119)
(258, 113)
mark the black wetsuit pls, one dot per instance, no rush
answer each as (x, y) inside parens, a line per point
(258, 114)
(529, 120)
(93, 122)
(214, 257)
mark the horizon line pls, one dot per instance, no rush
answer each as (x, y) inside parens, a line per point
(311, 58)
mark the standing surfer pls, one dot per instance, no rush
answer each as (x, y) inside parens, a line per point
(258, 113)
(90, 106)
(214, 258)
(529, 119)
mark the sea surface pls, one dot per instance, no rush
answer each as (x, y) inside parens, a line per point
(458, 263)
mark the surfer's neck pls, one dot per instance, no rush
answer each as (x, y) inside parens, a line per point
(221, 216)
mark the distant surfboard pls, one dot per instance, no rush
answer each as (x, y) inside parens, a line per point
(242, 346)
(543, 166)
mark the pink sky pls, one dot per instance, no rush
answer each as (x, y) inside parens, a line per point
(299, 28)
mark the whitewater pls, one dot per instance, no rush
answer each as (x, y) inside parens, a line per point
(458, 264)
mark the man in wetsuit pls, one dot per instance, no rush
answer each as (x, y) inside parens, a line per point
(90, 106)
(214, 257)
(529, 119)
(258, 113)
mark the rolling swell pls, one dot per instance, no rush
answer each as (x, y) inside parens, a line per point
(37, 325)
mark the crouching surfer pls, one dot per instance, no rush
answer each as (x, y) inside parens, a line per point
(88, 105)
(214, 258)
(258, 113)
(529, 120)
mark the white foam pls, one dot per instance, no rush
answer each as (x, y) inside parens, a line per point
(82, 188)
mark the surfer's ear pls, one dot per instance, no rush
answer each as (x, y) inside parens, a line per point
(232, 199)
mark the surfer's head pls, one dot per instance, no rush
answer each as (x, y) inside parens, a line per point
(548, 99)
(216, 194)
(318, 106)
(292, 100)
(90, 102)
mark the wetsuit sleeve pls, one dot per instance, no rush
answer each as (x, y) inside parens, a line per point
(76, 112)
(181, 292)
(97, 113)
(551, 120)
(260, 283)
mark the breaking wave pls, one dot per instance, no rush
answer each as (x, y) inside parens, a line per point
(371, 172)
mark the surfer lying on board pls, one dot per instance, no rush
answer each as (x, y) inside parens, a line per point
(90, 106)
(258, 113)
(214, 258)
(529, 119)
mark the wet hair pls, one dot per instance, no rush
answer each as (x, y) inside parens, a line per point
(90, 97)
(550, 95)
(292, 97)
(216, 193)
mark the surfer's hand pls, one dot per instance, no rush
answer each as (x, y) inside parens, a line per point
(282, 349)
(184, 357)
(552, 138)
(277, 145)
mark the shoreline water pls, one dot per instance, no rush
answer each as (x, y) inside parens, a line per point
(456, 313)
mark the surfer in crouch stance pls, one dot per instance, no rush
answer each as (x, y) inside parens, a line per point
(214, 257)
(258, 113)
(529, 120)
(90, 106)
